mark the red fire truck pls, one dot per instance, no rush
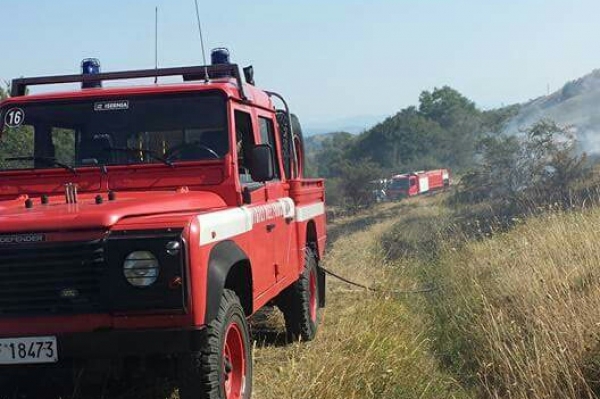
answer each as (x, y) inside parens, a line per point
(411, 184)
(144, 224)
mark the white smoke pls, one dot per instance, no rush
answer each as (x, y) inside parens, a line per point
(576, 105)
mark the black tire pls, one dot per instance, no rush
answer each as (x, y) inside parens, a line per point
(300, 304)
(202, 374)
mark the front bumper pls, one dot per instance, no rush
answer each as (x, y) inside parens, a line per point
(118, 344)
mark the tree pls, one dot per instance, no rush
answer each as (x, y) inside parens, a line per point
(355, 182)
(540, 166)
(494, 121)
(399, 141)
(333, 153)
(440, 132)
(459, 118)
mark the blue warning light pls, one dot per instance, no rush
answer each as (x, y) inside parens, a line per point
(90, 66)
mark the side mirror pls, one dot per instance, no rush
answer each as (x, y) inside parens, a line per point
(262, 167)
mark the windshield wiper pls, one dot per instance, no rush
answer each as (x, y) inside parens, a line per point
(152, 153)
(46, 160)
(94, 162)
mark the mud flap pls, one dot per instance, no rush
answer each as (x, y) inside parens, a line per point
(322, 285)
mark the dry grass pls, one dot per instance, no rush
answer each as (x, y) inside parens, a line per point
(521, 311)
(370, 345)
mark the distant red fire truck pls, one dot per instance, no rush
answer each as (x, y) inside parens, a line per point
(411, 184)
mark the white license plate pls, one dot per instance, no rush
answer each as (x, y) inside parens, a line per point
(28, 350)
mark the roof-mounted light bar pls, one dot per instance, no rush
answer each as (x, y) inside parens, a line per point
(19, 86)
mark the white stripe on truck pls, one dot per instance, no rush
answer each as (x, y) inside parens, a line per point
(308, 212)
(222, 225)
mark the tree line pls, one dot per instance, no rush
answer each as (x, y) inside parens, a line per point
(443, 131)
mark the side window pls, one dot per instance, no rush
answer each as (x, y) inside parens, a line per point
(267, 136)
(244, 139)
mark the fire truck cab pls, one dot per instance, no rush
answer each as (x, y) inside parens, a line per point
(403, 186)
(149, 222)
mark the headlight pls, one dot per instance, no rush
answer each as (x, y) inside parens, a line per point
(141, 268)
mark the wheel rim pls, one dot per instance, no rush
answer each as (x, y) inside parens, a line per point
(312, 282)
(234, 363)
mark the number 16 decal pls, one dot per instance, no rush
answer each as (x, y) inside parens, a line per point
(14, 117)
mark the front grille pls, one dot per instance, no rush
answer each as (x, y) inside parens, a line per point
(51, 278)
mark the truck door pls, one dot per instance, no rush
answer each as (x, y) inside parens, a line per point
(281, 226)
(260, 248)
(413, 188)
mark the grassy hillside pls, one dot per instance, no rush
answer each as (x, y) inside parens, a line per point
(573, 105)
(515, 315)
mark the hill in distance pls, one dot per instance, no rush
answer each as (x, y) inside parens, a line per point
(575, 105)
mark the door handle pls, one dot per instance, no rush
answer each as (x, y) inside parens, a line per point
(271, 227)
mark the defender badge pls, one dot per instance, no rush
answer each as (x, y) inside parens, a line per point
(22, 238)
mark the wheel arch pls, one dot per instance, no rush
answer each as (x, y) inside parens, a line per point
(228, 267)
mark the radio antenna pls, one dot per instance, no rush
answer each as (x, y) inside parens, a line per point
(206, 77)
(156, 44)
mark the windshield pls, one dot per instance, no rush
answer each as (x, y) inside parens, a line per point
(124, 131)
(400, 184)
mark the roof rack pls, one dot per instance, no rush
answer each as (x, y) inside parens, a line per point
(19, 86)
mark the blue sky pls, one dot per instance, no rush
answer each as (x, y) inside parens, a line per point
(331, 59)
